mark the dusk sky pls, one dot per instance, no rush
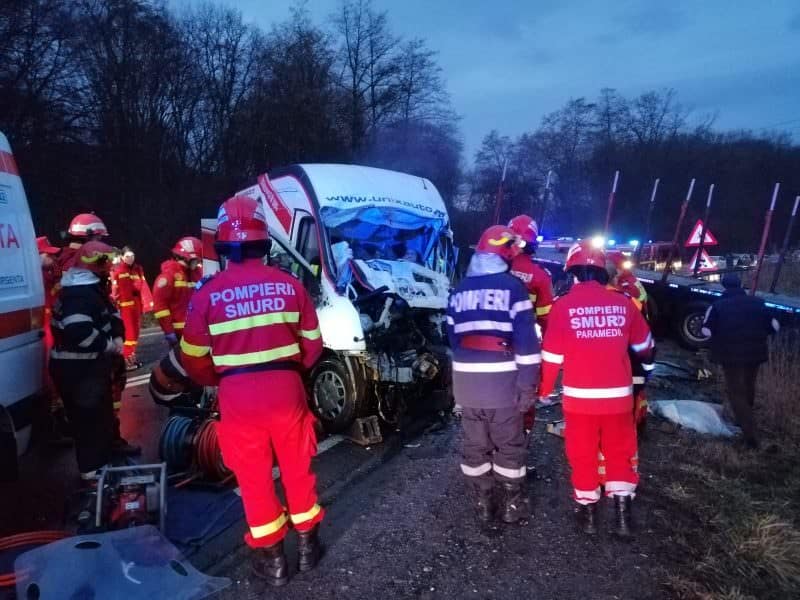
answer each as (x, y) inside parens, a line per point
(509, 62)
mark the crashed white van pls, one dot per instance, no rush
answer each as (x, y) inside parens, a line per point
(374, 247)
(21, 313)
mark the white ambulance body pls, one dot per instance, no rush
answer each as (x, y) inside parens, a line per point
(21, 311)
(375, 249)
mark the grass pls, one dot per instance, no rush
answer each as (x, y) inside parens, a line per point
(788, 283)
(732, 513)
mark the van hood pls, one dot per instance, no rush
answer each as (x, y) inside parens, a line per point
(420, 287)
(75, 276)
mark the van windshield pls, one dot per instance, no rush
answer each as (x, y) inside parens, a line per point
(385, 233)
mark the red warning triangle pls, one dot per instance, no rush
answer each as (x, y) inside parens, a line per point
(706, 262)
(694, 237)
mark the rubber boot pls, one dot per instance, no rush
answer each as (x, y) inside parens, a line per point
(587, 518)
(309, 549)
(485, 505)
(623, 525)
(270, 565)
(515, 505)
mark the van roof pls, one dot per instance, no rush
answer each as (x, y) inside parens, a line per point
(346, 186)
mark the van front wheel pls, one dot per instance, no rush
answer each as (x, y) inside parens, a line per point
(334, 395)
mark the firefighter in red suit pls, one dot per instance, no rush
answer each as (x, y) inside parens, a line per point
(127, 281)
(174, 286)
(253, 329)
(536, 279)
(590, 332)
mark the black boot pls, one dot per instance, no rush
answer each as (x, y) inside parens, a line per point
(270, 565)
(308, 549)
(485, 505)
(623, 525)
(515, 505)
(587, 518)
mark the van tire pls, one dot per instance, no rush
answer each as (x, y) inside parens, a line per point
(687, 323)
(336, 399)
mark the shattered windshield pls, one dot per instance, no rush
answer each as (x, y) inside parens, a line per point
(384, 233)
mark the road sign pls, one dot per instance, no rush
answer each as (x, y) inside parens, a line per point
(706, 262)
(694, 238)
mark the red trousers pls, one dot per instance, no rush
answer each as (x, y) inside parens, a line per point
(613, 436)
(131, 313)
(262, 413)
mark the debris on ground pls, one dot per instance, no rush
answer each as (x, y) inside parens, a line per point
(703, 417)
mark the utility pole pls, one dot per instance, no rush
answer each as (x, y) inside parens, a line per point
(785, 246)
(648, 221)
(544, 197)
(764, 235)
(611, 198)
(671, 256)
(499, 199)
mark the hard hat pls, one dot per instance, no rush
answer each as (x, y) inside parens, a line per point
(87, 224)
(498, 239)
(525, 227)
(188, 248)
(584, 254)
(95, 256)
(241, 219)
(44, 246)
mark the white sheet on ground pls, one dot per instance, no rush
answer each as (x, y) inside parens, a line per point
(703, 417)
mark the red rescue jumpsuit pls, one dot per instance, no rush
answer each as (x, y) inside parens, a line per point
(254, 328)
(171, 293)
(590, 331)
(126, 289)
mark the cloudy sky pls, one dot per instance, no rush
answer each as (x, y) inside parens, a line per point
(509, 62)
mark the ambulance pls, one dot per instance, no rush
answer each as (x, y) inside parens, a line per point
(375, 249)
(21, 312)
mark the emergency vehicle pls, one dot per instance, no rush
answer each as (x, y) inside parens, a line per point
(21, 312)
(375, 250)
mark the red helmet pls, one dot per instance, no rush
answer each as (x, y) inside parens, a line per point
(95, 256)
(585, 254)
(498, 239)
(188, 248)
(87, 224)
(241, 219)
(620, 261)
(524, 227)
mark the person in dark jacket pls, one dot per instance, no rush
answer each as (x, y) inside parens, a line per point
(88, 333)
(496, 358)
(739, 326)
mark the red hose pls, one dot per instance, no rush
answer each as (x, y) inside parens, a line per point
(208, 456)
(37, 538)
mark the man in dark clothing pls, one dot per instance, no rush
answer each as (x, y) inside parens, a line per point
(739, 326)
(88, 333)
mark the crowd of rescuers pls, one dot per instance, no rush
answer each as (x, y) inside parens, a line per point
(95, 298)
(596, 333)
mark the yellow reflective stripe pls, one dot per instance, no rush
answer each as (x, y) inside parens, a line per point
(543, 310)
(252, 358)
(270, 528)
(192, 350)
(130, 343)
(136, 277)
(179, 325)
(532, 297)
(310, 334)
(117, 405)
(256, 321)
(189, 284)
(123, 275)
(306, 516)
(162, 313)
(128, 303)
